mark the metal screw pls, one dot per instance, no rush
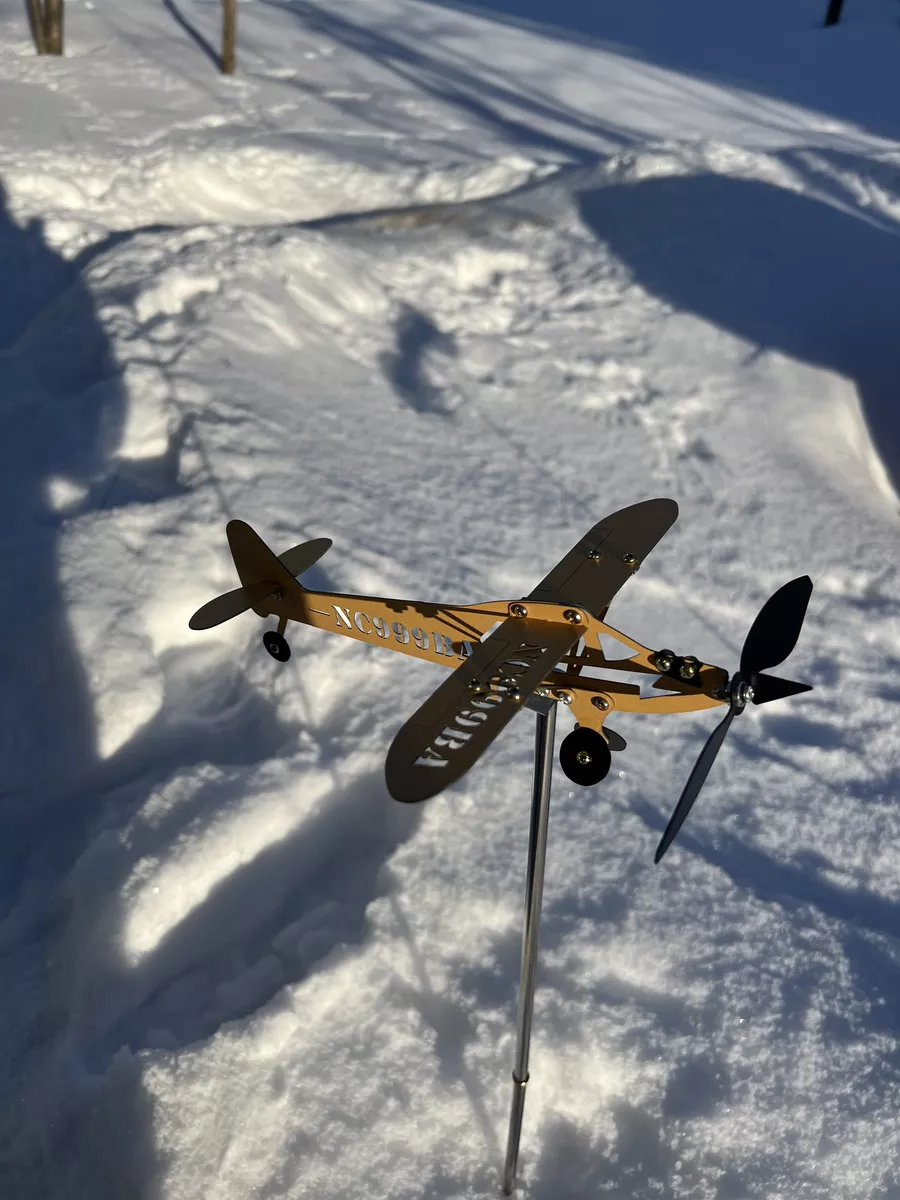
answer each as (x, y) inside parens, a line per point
(595, 555)
(514, 694)
(573, 615)
(629, 560)
(564, 697)
(543, 692)
(689, 668)
(518, 610)
(600, 702)
(583, 757)
(477, 687)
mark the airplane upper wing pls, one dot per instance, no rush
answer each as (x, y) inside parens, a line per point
(458, 721)
(593, 571)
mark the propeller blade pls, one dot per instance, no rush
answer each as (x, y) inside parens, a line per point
(769, 687)
(228, 605)
(695, 782)
(774, 633)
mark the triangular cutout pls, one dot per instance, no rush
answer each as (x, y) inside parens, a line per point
(613, 649)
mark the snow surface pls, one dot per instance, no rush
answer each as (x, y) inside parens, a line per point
(446, 284)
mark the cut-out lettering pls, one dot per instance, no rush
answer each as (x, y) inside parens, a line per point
(342, 616)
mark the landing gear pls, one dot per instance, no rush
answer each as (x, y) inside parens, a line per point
(276, 646)
(585, 756)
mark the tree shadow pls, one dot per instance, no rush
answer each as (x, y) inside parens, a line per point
(784, 271)
(266, 924)
(481, 98)
(193, 33)
(770, 49)
(60, 413)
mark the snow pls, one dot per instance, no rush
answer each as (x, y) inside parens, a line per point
(446, 284)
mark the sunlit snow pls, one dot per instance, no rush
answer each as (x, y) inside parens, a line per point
(445, 283)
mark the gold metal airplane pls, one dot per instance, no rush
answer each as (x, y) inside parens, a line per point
(501, 654)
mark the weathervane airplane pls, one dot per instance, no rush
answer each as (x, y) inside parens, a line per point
(506, 652)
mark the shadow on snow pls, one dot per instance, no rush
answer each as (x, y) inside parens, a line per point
(781, 270)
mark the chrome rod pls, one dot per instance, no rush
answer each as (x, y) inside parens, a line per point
(545, 733)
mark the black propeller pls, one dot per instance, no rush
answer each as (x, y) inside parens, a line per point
(772, 637)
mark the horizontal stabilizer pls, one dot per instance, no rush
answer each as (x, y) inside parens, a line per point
(300, 558)
(769, 687)
(229, 605)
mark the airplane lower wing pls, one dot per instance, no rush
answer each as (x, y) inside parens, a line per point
(458, 721)
(607, 556)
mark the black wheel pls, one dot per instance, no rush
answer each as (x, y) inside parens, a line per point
(276, 646)
(585, 756)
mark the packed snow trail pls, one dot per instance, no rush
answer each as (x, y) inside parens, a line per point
(446, 291)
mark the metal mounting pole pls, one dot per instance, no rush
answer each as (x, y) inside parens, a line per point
(545, 732)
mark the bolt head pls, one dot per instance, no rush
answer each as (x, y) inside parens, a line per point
(665, 660)
(514, 694)
(573, 615)
(564, 697)
(542, 692)
(477, 687)
(745, 693)
(689, 668)
(518, 610)
(595, 556)
(583, 757)
(600, 702)
(629, 560)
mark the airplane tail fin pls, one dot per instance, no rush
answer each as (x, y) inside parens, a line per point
(265, 578)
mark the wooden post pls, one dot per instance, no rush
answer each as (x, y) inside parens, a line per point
(834, 12)
(53, 28)
(229, 35)
(36, 24)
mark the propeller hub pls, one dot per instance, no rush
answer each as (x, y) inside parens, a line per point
(740, 692)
